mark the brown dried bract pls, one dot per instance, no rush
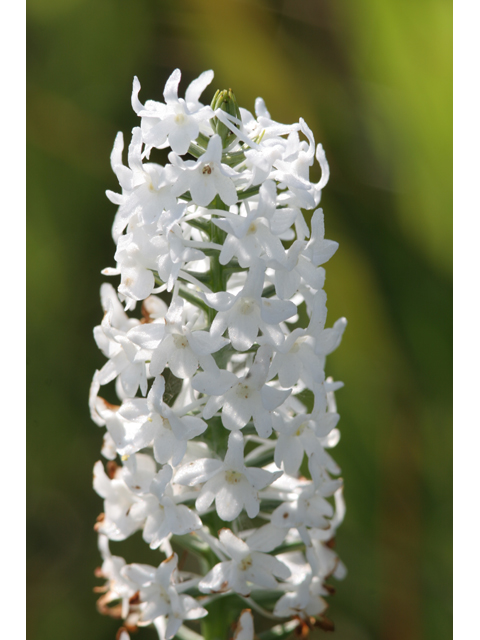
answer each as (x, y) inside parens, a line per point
(98, 573)
(325, 623)
(147, 318)
(100, 589)
(102, 606)
(330, 588)
(100, 519)
(302, 631)
(112, 467)
(109, 405)
(128, 628)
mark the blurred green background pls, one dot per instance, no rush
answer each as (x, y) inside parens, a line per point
(373, 80)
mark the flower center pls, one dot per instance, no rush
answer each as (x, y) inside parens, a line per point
(243, 390)
(233, 477)
(246, 306)
(300, 429)
(166, 424)
(163, 594)
(245, 563)
(207, 169)
(179, 118)
(180, 341)
(295, 347)
(251, 229)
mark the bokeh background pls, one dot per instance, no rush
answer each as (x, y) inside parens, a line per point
(373, 80)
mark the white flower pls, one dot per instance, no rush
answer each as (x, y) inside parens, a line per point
(256, 233)
(140, 423)
(294, 270)
(250, 563)
(307, 509)
(136, 258)
(230, 483)
(304, 600)
(242, 398)
(300, 435)
(157, 509)
(172, 254)
(160, 597)
(118, 586)
(206, 177)
(177, 122)
(247, 312)
(146, 188)
(182, 348)
(115, 337)
(117, 522)
(296, 360)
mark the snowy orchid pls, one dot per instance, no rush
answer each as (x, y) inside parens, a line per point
(218, 446)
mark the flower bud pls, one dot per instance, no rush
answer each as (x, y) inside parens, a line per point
(226, 101)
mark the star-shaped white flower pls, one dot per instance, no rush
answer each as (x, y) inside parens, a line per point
(177, 122)
(156, 506)
(146, 188)
(299, 435)
(230, 483)
(115, 337)
(160, 595)
(296, 360)
(304, 600)
(246, 313)
(244, 398)
(250, 563)
(182, 348)
(307, 508)
(206, 177)
(118, 586)
(145, 422)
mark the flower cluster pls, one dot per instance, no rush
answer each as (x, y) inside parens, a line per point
(219, 444)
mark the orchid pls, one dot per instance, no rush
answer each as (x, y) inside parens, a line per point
(215, 340)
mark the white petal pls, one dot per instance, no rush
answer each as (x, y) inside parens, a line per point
(197, 471)
(218, 579)
(236, 548)
(266, 538)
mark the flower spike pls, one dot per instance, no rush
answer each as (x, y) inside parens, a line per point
(218, 444)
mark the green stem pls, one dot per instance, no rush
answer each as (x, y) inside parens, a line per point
(215, 625)
(252, 191)
(193, 299)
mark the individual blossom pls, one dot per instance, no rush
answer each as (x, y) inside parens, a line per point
(146, 187)
(247, 312)
(231, 484)
(304, 599)
(160, 595)
(175, 123)
(182, 347)
(206, 177)
(244, 398)
(250, 563)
